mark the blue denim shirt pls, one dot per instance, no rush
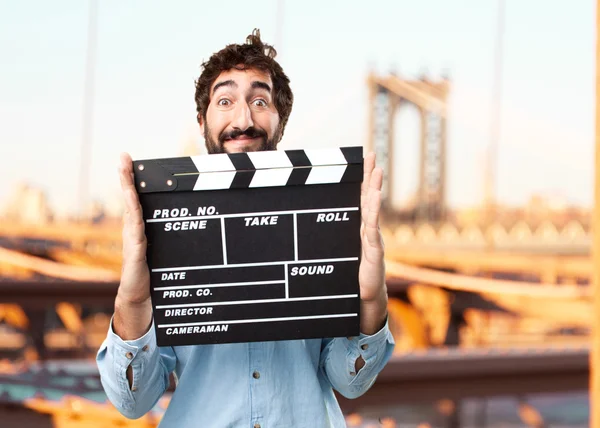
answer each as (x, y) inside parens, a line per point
(281, 384)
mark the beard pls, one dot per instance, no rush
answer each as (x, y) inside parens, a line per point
(213, 146)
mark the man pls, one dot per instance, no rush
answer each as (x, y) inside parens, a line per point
(243, 101)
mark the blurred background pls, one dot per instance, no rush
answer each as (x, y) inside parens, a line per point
(480, 112)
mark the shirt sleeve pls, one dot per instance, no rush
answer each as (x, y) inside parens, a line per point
(339, 355)
(151, 367)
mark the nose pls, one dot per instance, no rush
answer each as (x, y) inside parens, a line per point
(242, 119)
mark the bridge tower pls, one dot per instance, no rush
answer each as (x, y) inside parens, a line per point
(386, 96)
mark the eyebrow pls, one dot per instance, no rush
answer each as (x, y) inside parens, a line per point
(224, 83)
(257, 84)
(261, 85)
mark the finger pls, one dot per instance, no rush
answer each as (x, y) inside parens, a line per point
(134, 237)
(126, 172)
(376, 179)
(372, 219)
(134, 208)
(127, 183)
(374, 185)
(133, 231)
(368, 165)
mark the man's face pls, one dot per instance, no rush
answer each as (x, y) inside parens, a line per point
(241, 116)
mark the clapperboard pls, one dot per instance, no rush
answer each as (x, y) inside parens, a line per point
(253, 246)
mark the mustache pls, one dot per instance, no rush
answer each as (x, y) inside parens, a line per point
(249, 132)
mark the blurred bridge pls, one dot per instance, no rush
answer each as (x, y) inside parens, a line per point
(441, 278)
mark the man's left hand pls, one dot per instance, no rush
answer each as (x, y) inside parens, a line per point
(371, 275)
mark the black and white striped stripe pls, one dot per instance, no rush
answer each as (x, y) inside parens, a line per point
(249, 170)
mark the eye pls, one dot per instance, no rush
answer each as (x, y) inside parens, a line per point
(223, 102)
(260, 102)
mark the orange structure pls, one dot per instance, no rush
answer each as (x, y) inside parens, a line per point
(595, 354)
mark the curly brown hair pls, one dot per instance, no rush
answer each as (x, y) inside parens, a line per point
(253, 54)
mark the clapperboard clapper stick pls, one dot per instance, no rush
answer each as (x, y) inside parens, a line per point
(254, 246)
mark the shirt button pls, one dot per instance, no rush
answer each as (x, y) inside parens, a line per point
(256, 375)
(145, 348)
(256, 425)
(353, 373)
(134, 388)
(129, 355)
(364, 347)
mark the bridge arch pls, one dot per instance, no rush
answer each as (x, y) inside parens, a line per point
(386, 94)
(520, 232)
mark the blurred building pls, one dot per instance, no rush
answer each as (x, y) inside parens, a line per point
(27, 204)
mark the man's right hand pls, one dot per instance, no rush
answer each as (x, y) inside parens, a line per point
(133, 308)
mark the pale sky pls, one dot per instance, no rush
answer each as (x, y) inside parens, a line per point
(149, 53)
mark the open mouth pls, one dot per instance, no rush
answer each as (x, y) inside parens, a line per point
(242, 140)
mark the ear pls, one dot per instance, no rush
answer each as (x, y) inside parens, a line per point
(200, 122)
